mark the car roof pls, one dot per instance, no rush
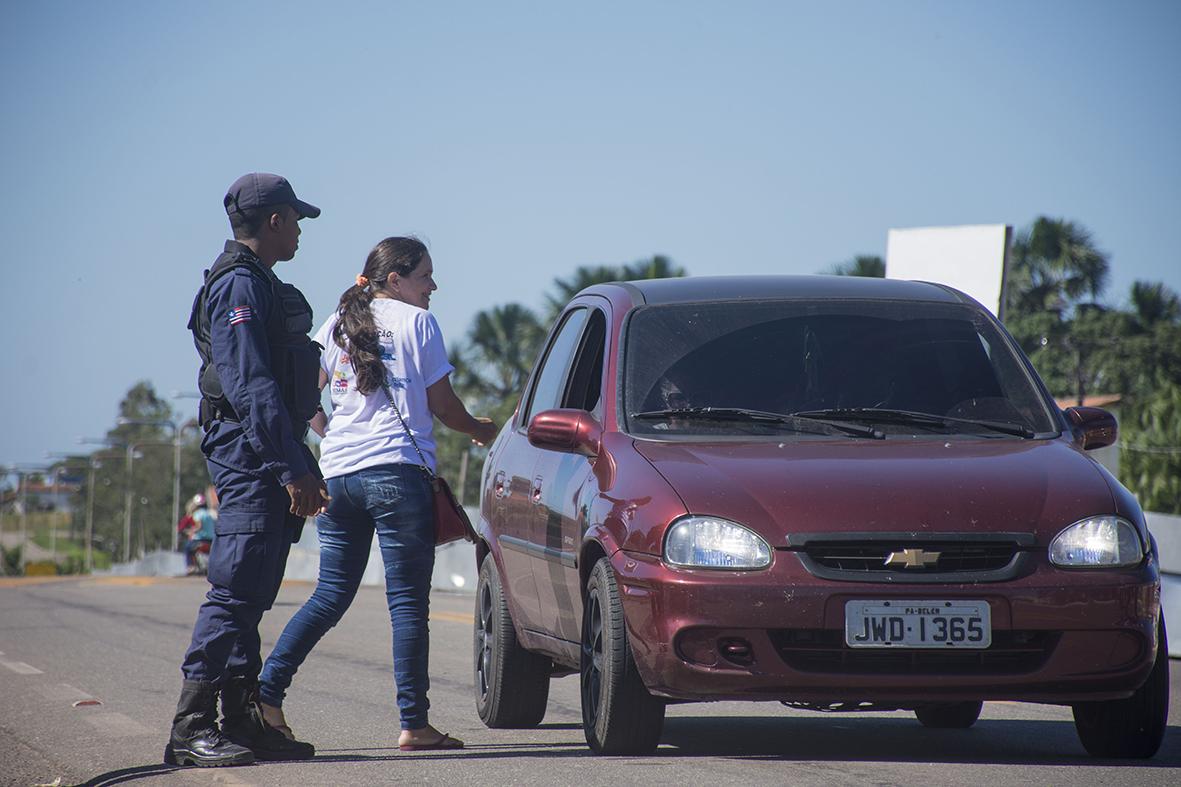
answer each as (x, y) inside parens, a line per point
(692, 289)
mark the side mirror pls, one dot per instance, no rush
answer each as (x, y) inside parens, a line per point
(1094, 427)
(567, 430)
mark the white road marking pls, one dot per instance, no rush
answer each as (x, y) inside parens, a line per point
(21, 668)
(117, 725)
(62, 692)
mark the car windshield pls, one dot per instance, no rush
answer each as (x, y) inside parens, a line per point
(903, 367)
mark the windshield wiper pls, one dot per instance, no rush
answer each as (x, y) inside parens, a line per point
(910, 417)
(757, 416)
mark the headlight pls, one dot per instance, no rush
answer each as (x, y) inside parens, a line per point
(709, 542)
(1100, 542)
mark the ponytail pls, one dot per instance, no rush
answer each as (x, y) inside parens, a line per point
(355, 331)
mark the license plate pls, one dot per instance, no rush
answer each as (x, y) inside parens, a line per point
(917, 624)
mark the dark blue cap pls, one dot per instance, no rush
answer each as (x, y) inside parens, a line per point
(262, 189)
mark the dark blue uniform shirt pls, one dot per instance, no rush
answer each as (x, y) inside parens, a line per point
(264, 444)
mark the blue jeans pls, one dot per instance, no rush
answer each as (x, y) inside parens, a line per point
(396, 501)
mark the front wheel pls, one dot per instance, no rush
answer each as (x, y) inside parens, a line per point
(619, 716)
(1131, 728)
(949, 715)
(512, 684)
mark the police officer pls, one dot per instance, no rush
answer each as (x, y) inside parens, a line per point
(259, 387)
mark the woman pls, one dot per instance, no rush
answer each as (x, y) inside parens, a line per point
(381, 343)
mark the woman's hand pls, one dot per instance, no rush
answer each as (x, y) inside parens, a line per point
(447, 407)
(485, 432)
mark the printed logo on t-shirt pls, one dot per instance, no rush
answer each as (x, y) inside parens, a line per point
(340, 383)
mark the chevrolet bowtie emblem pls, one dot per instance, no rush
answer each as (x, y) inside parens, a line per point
(913, 558)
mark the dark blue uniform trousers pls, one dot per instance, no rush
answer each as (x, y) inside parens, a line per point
(246, 563)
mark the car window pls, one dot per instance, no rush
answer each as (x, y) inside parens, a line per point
(583, 388)
(550, 384)
(794, 355)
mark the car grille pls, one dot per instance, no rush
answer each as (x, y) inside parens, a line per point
(952, 557)
(946, 558)
(824, 651)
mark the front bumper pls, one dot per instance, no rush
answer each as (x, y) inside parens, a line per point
(1058, 636)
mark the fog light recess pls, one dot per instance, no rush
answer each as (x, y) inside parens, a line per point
(736, 650)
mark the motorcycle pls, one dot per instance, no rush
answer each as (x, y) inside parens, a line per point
(200, 565)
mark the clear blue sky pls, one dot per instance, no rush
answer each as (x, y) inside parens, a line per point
(522, 140)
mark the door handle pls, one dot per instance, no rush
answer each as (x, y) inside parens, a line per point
(535, 495)
(498, 487)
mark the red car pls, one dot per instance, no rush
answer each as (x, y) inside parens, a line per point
(837, 493)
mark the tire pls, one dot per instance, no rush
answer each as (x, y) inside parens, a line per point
(619, 716)
(1131, 728)
(511, 683)
(949, 715)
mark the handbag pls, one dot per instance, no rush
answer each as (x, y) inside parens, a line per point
(451, 521)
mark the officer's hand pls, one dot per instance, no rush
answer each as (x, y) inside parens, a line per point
(308, 495)
(486, 431)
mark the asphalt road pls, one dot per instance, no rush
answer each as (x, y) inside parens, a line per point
(89, 677)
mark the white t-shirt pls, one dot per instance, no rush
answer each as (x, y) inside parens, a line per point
(362, 430)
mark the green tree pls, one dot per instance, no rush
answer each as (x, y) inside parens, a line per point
(1150, 456)
(1053, 265)
(150, 480)
(498, 354)
(869, 265)
(1154, 303)
(656, 267)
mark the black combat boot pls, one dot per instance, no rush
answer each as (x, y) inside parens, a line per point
(195, 738)
(243, 724)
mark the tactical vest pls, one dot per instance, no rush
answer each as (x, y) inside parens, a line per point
(295, 358)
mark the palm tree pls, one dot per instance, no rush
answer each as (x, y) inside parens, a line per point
(656, 267)
(502, 344)
(869, 265)
(584, 276)
(1153, 302)
(1053, 265)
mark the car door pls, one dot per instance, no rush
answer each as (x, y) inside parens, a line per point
(514, 490)
(562, 490)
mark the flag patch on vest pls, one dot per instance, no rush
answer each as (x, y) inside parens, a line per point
(240, 314)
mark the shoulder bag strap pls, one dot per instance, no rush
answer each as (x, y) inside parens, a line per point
(426, 468)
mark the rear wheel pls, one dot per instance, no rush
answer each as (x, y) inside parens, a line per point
(1131, 728)
(619, 716)
(949, 715)
(512, 684)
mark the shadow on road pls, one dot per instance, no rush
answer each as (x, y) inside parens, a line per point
(129, 774)
(998, 741)
(990, 741)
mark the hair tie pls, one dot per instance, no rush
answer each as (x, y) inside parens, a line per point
(362, 281)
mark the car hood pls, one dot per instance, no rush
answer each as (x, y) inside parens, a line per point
(936, 486)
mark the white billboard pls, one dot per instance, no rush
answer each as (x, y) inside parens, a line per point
(971, 258)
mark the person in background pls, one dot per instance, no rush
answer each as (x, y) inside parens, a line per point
(200, 533)
(388, 372)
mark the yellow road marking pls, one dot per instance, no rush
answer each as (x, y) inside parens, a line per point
(126, 581)
(12, 582)
(453, 617)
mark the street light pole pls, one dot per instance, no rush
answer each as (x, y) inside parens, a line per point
(177, 433)
(94, 464)
(22, 480)
(127, 506)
